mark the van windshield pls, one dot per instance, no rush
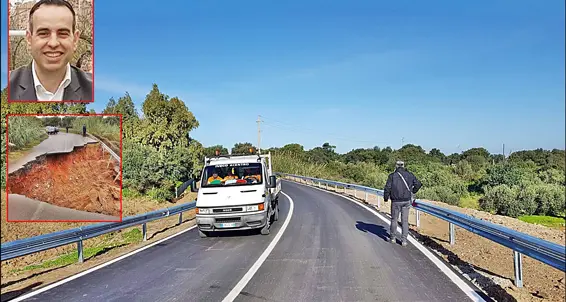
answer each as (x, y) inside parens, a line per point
(236, 174)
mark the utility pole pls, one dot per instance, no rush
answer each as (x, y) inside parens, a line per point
(402, 142)
(504, 152)
(258, 134)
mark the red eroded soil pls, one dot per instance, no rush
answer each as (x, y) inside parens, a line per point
(81, 180)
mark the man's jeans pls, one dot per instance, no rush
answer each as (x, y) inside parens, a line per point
(402, 207)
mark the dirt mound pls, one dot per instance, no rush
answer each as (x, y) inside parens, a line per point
(84, 179)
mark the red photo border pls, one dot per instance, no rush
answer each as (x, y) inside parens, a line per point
(48, 102)
(63, 114)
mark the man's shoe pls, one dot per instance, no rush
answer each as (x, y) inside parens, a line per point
(392, 240)
(404, 243)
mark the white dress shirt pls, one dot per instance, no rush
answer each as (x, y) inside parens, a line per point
(45, 95)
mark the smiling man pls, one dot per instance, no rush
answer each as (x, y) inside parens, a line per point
(52, 39)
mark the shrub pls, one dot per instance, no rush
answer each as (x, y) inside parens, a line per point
(497, 198)
(527, 199)
(160, 194)
(24, 130)
(446, 195)
(550, 199)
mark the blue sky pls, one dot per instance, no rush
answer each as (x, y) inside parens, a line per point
(447, 74)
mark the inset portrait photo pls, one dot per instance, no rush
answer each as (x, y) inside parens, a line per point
(51, 51)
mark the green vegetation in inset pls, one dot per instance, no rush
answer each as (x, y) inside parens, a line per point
(25, 132)
(106, 127)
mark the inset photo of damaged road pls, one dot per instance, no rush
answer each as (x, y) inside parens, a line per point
(64, 168)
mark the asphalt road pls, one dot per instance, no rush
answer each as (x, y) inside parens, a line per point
(332, 250)
(56, 143)
(23, 208)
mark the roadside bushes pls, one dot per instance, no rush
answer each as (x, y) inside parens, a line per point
(24, 130)
(511, 188)
(155, 173)
(550, 200)
(97, 125)
(439, 193)
(439, 183)
(514, 201)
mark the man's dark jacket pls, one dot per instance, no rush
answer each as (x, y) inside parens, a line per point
(23, 89)
(395, 188)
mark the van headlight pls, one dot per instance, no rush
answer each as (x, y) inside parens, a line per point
(255, 207)
(204, 211)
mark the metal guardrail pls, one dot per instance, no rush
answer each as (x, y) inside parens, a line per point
(22, 247)
(547, 252)
(108, 149)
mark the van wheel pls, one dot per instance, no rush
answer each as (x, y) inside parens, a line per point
(276, 214)
(265, 229)
(202, 234)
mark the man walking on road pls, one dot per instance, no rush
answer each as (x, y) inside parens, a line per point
(400, 187)
(84, 129)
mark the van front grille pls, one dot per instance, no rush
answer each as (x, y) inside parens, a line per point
(228, 219)
(228, 210)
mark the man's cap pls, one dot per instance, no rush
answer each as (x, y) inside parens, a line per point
(400, 163)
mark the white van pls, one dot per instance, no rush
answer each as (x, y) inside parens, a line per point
(237, 192)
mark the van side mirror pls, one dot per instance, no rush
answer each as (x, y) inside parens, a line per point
(193, 185)
(272, 182)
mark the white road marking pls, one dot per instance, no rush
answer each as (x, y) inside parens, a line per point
(470, 292)
(53, 285)
(233, 294)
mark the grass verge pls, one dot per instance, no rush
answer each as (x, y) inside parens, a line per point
(549, 221)
(471, 201)
(131, 236)
(15, 154)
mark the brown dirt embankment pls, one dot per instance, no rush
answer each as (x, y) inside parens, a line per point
(84, 180)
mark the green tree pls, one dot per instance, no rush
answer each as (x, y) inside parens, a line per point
(110, 106)
(293, 149)
(437, 155)
(211, 151)
(411, 154)
(54, 121)
(242, 148)
(464, 170)
(166, 123)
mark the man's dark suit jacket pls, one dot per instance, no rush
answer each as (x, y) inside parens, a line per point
(23, 89)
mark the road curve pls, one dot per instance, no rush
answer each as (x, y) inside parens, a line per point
(332, 250)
